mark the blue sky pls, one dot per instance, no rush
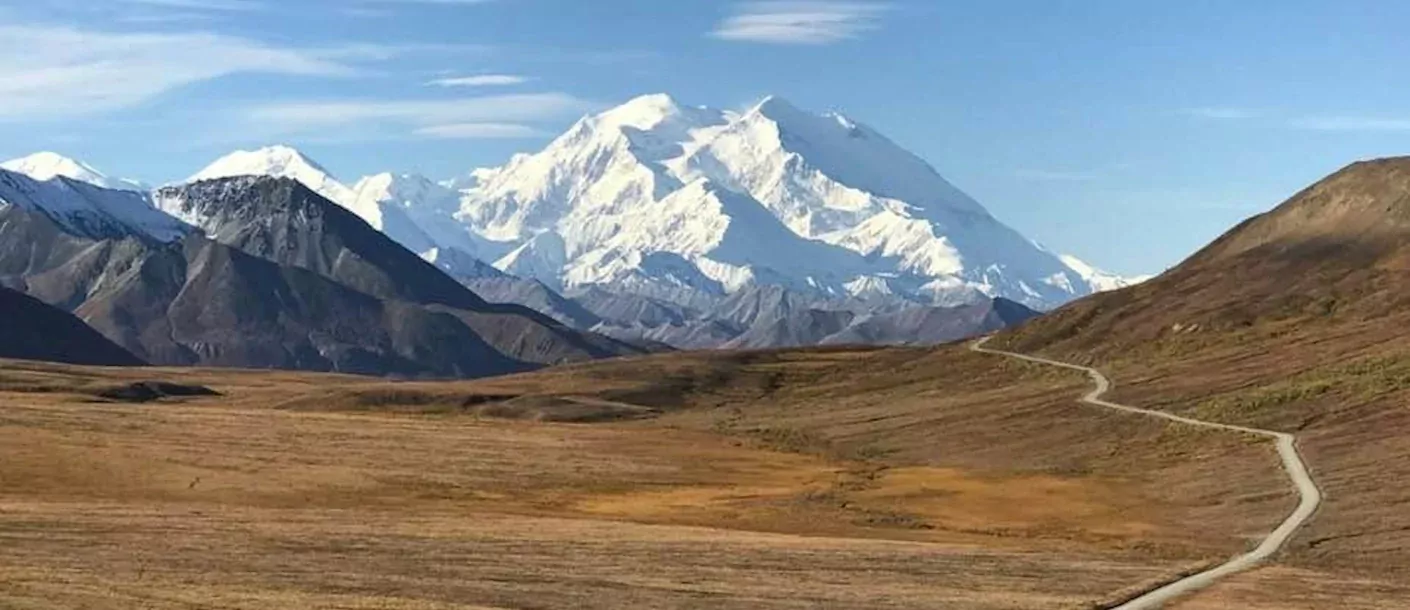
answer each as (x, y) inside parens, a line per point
(1126, 133)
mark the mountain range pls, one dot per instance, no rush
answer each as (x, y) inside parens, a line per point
(666, 200)
(652, 223)
(269, 274)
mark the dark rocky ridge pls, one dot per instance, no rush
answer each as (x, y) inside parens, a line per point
(333, 294)
(281, 220)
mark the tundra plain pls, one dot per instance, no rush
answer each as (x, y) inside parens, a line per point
(866, 478)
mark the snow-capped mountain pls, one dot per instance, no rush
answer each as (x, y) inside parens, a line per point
(427, 206)
(1101, 281)
(653, 195)
(282, 162)
(411, 209)
(48, 165)
(88, 210)
(691, 204)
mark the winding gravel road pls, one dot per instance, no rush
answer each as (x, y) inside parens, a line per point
(1293, 464)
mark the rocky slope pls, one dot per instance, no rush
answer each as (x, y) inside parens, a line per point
(281, 220)
(285, 280)
(411, 210)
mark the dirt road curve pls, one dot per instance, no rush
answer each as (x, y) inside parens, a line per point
(1293, 464)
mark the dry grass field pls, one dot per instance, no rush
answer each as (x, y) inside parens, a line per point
(1343, 391)
(1296, 321)
(818, 479)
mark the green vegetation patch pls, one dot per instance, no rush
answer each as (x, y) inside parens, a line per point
(1361, 380)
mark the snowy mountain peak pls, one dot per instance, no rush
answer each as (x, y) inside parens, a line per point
(846, 152)
(282, 161)
(790, 117)
(387, 182)
(646, 109)
(653, 117)
(91, 211)
(773, 196)
(50, 165)
(279, 161)
(1101, 281)
(409, 191)
(777, 108)
(411, 209)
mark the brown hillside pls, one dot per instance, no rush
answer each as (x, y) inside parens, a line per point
(1297, 320)
(1337, 253)
(32, 330)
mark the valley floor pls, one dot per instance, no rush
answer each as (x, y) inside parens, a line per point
(840, 479)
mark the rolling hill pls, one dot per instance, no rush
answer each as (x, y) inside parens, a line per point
(32, 330)
(1296, 320)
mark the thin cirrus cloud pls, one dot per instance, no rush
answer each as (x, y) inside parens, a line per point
(429, 2)
(203, 5)
(479, 131)
(1351, 123)
(800, 22)
(480, 80)
(491, 116)
(56, 72)
(1327, 123)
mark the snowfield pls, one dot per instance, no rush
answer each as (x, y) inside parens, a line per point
(774, 195)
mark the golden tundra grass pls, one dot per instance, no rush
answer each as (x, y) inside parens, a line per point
(826, 478)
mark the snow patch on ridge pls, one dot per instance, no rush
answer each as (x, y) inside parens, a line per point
(1101, 281)
(88, 210)
(285, 162)
(412, 210)
(45, 166)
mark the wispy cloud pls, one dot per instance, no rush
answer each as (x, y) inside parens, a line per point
(480, 80)
(1350, 123)
(431, 2)
(203, 5)
(1305, 122)
(385, 8)
(479, 131)
(387, 51)
(48, 72)
(483, 117)
(812, 22)
(527, 106)
(1222, 113)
